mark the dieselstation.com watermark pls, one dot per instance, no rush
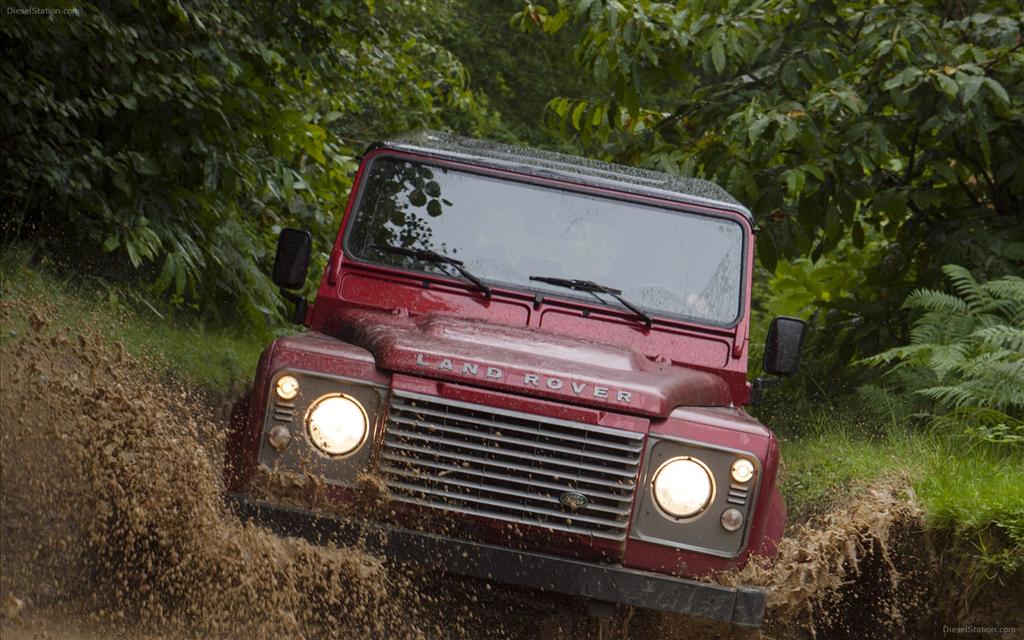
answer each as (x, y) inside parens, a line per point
(42, 11)
(973, 630)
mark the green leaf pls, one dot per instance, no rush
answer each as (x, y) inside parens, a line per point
(789, 75)
(947, 85)
(577, 114)
(631, 100)
(971, 85)
(998, 90)
(757, 128)
(857, 234)
(766, 250)
(556, 22)
(560, 106)
(582, 6)
(133, 254)
(146, 166)
(814, 170)
(795, 180)
(986, 146)
(176, 10)
(718, 55)
(893, 82)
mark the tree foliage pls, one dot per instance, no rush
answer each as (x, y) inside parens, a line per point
(833, 121)
(518, 72)
(178, 137)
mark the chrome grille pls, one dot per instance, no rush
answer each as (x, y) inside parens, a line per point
(508, 465)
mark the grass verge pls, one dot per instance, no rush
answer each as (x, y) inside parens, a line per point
(217, 360)
(972, 491)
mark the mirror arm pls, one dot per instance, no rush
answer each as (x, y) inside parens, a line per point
(758, 386)
(299, 315)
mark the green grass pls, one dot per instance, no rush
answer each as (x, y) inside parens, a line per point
(217, 360)
(825, 468)
(970, 490)
(978, 496)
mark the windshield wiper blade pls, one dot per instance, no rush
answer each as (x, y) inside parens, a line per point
(593, 287)
(433, 257)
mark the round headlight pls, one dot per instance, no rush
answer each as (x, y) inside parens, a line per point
(287, 387)
(742, 470)
(337, 425)
(683, 487)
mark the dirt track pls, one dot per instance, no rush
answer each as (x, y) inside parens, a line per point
(113, 526)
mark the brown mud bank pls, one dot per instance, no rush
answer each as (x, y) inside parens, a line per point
(112, 525)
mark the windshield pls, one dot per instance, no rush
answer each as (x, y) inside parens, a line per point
(504, 231)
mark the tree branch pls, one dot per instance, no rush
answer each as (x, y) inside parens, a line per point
(912, 156)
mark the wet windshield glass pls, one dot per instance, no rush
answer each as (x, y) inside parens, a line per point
(669, 262)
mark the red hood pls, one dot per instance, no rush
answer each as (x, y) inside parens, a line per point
(529, 361)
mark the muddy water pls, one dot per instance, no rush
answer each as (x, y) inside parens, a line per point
(113, 526)
(849, 572)
(112, 511)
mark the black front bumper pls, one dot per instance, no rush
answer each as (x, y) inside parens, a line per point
(742, 606)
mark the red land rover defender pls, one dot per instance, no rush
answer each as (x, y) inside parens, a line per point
(543, 359)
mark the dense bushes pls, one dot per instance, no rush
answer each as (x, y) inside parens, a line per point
(177, 137)
(964, 366)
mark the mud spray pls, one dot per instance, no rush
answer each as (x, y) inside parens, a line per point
(113, 525)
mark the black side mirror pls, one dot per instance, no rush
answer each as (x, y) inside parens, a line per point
(291, 264)
(784, 345)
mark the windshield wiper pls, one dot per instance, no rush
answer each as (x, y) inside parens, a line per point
(426, 255)
(592, 287)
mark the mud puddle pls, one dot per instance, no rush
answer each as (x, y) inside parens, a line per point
(113, 526)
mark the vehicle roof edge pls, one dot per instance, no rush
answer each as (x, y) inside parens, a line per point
(550, 164)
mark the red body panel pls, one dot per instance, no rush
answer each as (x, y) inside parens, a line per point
(527, 360)
(675, 379)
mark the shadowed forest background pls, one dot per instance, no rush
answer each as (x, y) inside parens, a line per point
(152, 151)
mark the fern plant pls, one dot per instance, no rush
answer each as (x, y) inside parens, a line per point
(965, 360)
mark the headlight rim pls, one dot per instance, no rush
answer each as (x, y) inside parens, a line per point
(753, 470)
(712, 494)
(307, 425)
(287, 396)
